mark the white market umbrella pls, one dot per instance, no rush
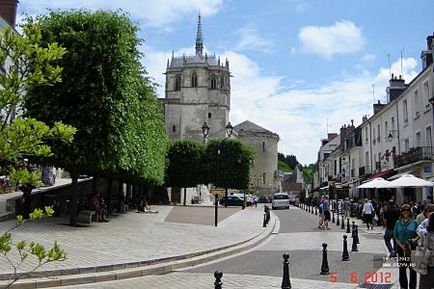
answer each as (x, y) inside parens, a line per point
(408, 180)
(375, 183)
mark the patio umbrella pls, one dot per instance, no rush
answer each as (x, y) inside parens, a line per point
(375, 183)
(408, 180)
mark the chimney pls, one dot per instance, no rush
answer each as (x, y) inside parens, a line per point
(8, 11)
(426, 55)
(395, 88)
(378, 107)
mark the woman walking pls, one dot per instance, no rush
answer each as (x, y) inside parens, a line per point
(427, 234)
(404, 233)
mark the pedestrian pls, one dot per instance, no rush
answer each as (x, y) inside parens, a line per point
(427, 235)
(368, 212)
(347, 208)
(422, 216)
(321, 214)
(404, 234)
(326, 208)
(391, 216)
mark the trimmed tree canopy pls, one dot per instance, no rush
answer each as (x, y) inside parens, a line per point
(228, 163)
(105, 94)
(185, 163)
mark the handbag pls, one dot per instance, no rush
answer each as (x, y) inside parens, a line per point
(421, 256)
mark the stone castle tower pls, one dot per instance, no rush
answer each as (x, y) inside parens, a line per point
(197, 91)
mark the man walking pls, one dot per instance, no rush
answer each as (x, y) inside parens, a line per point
(391, 215)
(326, 208)
(368, 212)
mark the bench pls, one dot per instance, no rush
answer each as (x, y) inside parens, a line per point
(85, 216)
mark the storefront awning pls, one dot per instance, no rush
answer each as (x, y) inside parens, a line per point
(384, 175)
(394, 177)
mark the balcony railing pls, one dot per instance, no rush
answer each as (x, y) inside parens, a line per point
(414, 155)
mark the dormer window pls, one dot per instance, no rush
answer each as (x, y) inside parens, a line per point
(194, 79)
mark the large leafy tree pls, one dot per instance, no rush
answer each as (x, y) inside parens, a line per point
(228, 163)
(106, 95)
(185, 167)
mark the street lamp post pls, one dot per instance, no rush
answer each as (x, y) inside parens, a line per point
(205, 131)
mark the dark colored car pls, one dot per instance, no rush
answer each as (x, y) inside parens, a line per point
(263, 199)
(232, 201)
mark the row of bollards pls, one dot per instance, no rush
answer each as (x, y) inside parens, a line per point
(325, 270)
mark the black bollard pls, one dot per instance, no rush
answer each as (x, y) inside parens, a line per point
(286, 282)
(325, 264)
(345, 255)
(337, 220)
(357, 234)
(354, 246)
(354, 225)
(333, 219)
(342, 223)
(316, 211)
(309, 209)
(264, 223)
(218, 279)
(348, 226)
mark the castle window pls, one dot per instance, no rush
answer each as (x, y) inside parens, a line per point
(263, 146)
(209, 115)
(213, 82)
(178, 83)
(222, 82)
(194, 80)
(174, 128)
(263, 178)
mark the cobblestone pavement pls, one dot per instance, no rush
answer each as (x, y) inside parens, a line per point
(134, 237)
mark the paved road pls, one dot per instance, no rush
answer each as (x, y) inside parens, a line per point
(262, 266)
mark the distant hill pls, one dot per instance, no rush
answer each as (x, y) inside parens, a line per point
(283, 167)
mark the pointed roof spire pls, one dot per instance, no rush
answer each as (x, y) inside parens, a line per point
(199, 39)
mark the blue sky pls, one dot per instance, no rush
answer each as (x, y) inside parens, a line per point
(301, 68)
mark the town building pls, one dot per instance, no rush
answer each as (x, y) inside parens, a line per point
(395, 140)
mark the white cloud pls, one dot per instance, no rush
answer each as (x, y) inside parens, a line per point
(154, 13)
(249, 39)
(342, 37)
(369, 57)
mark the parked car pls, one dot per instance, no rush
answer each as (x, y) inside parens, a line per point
(263, 199)
(232, 201)
(280, 200)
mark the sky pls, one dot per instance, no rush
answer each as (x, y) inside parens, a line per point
(301, 68)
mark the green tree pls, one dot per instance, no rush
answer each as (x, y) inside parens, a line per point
(26, 64)
(185, 167)
(106, 95)
(228, 163)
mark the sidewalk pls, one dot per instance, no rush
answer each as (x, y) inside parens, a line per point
(135, 240)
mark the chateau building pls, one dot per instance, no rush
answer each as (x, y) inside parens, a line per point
(197, 91)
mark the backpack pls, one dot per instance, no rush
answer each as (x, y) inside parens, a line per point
(321, 208)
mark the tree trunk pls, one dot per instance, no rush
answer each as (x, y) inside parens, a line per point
(226, 197)
(27, 200)
(109, 195)
(74, 199)
(185, 196)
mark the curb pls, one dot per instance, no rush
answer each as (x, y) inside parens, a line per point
(102, 273)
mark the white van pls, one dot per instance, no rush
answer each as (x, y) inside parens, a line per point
(280, 200)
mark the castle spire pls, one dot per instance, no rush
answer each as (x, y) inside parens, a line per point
(199, 39)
